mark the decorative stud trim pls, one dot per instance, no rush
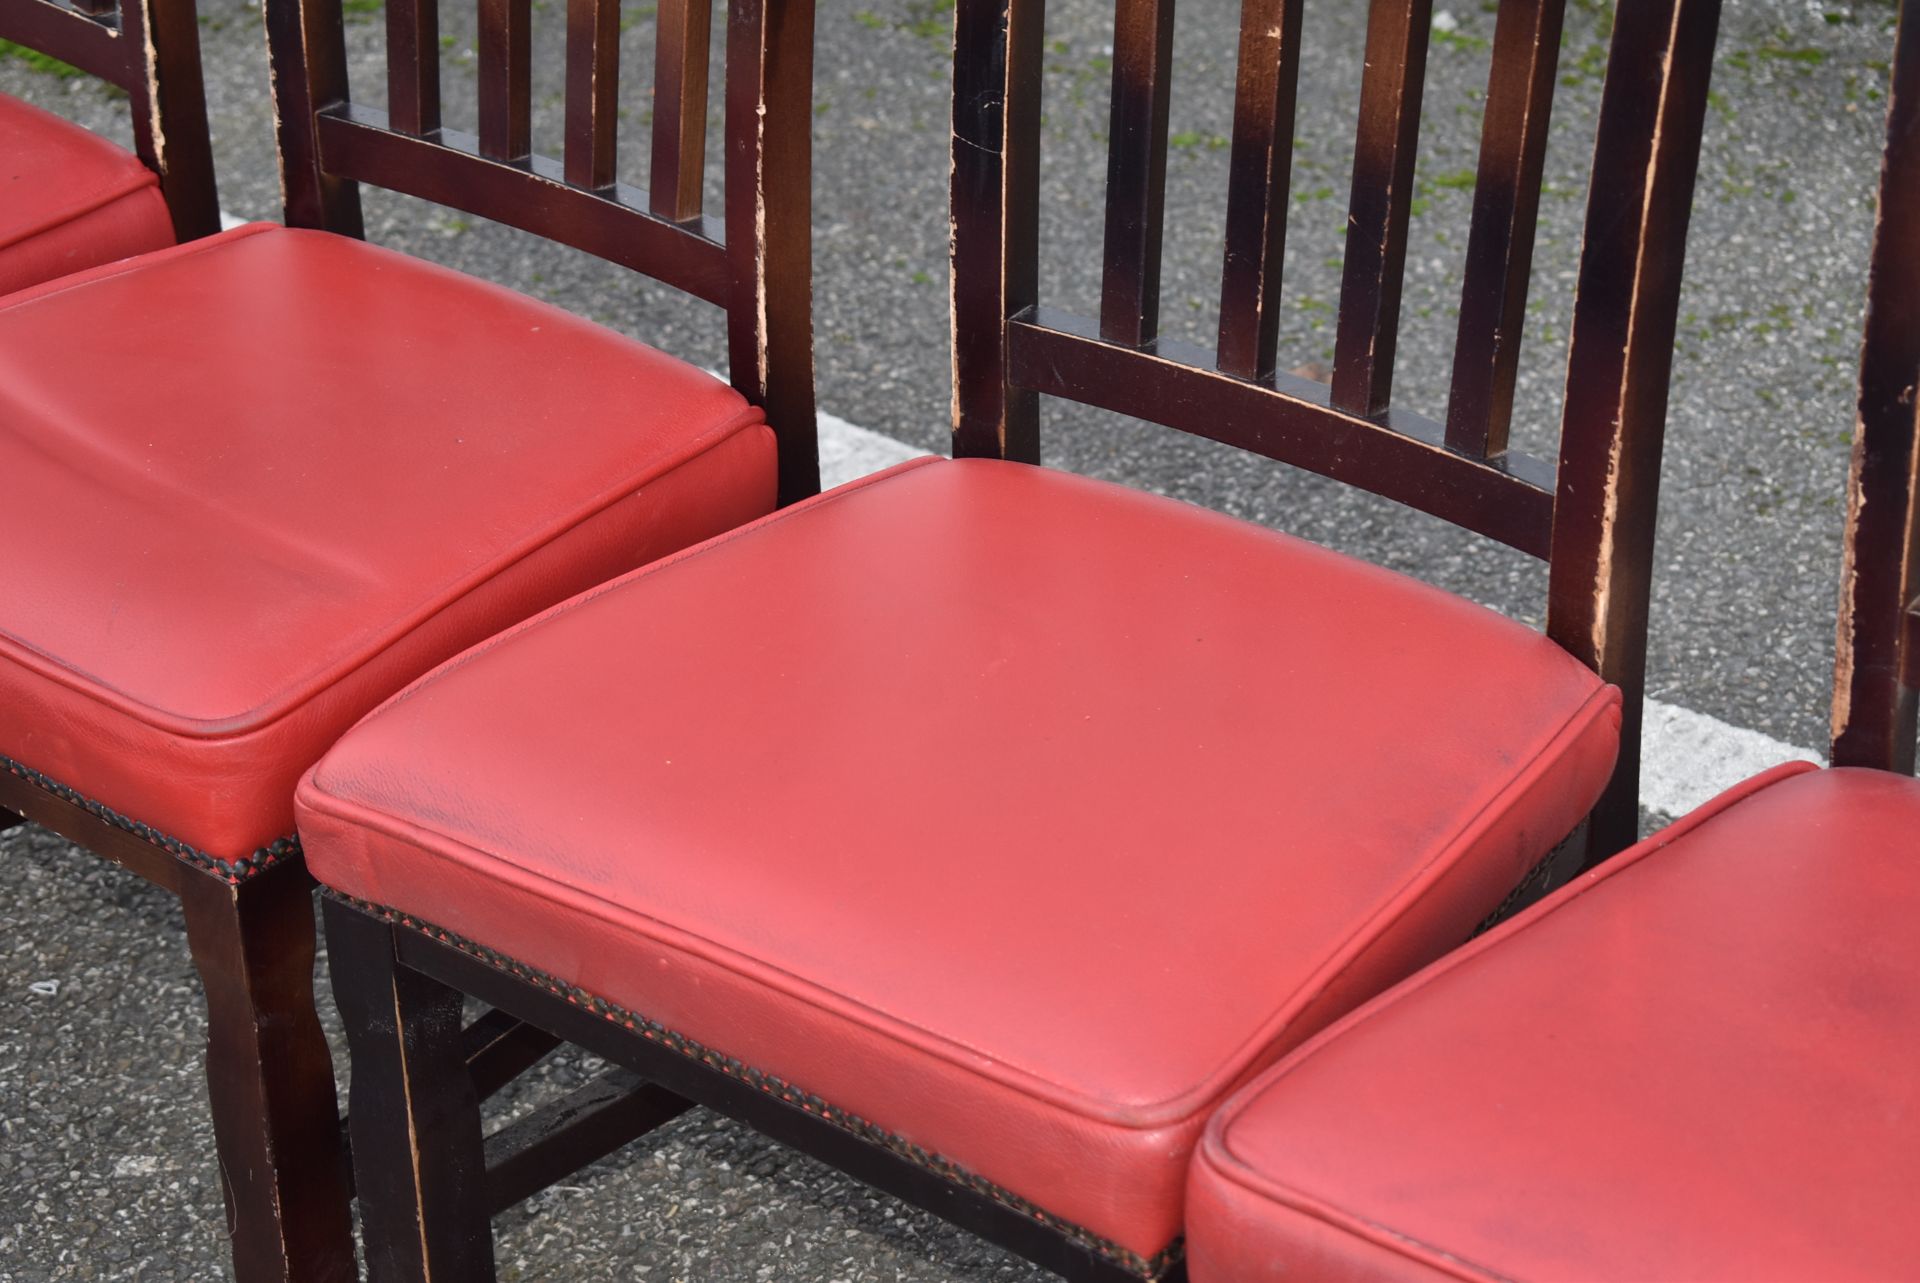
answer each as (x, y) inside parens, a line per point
(233, 871)
(1147, 1268)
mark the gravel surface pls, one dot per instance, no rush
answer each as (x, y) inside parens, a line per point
(105, 1154)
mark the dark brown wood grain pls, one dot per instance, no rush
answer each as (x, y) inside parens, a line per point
(607, 1114)
(1376, 248)
(419, 1160)
(593, 92)
(769, 171)
(1136, 171)
(995, 219)
(1260, 175)
(413, 65)
(680, 64)
(1401, 456)
(1877, 651)
(505, 59)
(1619, 356)
(1506, 203)
(276, 1122)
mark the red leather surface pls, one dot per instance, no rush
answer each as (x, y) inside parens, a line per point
(284, 474)
(69, 199)
(1696, 1063)
(1019, 814)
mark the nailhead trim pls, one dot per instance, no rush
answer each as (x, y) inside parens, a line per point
(234, 871)
(1146, 1268)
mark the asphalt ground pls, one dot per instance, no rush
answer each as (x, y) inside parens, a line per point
(106, 1168)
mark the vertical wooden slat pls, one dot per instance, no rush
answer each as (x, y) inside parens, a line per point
(1258, 181)
(1620, 354)
(593, 91)
(1506, 204)
(769, 166)
(1136, 170)
(680, 108)
(308, 56)
(506, 78)
(995, 215)
(1376, 249)
(162, 39)
(1876, 670)
(413, 66)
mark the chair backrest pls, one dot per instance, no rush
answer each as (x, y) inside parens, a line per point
(1877, 654)
(754, 261)
(1591, 518)
(151, 49)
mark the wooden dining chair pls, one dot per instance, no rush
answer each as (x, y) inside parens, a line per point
(1696, 1062)
(70, 199)
(978, 827)
(312, 469)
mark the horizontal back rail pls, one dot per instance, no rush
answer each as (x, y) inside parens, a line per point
(1877, 652)
(447, 169)
(1287, 418)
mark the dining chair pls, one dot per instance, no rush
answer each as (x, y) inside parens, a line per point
(1696, 1062)
(70, 199)
(979, 827)
(313, 469)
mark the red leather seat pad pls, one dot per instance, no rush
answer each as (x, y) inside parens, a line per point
(1696, 1063)
(1018, 814)
(285, 474)
(69, 199)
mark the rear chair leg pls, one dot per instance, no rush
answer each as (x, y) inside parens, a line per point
(419, 1161)
(276, 1119)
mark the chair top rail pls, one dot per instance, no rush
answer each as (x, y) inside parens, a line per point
(1877, 651)
(533, 194)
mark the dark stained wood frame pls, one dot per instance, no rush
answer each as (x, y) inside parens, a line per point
(1877, 652)
(420, 1153)
(755, 261)
(151, 49)
(429, 1182)
(1591, 516)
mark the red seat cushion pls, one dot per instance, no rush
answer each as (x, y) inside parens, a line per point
(259, 482)
(69, 199)
(1019, 815)
(1697, 1063)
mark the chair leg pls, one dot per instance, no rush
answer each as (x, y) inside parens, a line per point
(276, 1118)
(419, 1160)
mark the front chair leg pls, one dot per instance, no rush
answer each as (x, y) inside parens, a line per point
(418, 1155)
(276, 1118)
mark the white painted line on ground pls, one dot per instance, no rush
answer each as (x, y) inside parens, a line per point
(1686, 757)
